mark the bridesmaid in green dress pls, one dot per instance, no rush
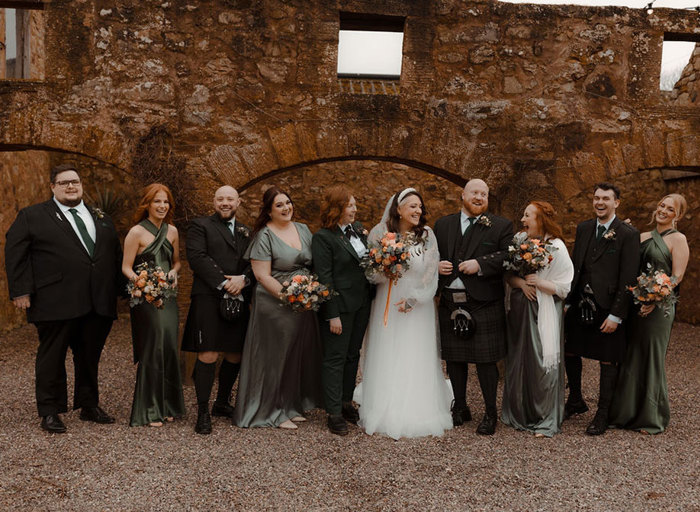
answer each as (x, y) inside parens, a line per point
(641, 397)
(281, 365)
(158, 394)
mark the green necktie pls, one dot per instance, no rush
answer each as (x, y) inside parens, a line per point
(599, 234)
(89, 243)
(471, 223)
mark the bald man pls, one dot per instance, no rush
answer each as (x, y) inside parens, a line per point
(473, 244)
(219, 310)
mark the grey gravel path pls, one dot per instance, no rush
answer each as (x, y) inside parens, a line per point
(95, 467)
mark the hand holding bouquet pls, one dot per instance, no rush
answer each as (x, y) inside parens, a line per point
(390, 257)
(304, 293)
(151, 285)
(527, 255)
(655, 287)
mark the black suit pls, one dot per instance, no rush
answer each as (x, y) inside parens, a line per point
(338, 266)
(608, 265)
(73, 298)
(212, 253)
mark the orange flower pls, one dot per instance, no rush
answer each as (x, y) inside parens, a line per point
(298, 278)
(291, 298)
(390, 236)
(523, 246)
(527, 256)
(300, 298)
(324, 293)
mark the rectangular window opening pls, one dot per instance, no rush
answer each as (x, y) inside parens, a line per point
(21, 41)
(370, 46)
(678, 49)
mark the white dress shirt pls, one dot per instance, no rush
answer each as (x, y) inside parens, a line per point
(457, 284)
(84, 214)
(355, 241)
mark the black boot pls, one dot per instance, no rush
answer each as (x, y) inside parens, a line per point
(458, 373)
(575, 403)
(228, 372)
(203, 425)
(488, 380)
(203, 382)
(608, 380)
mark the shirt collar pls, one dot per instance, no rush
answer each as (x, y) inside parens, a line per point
(606, 225)
(80, 207)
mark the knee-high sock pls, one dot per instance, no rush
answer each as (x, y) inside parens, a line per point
(228, 372)
(203, 381)
(574, 367)
(608, 381)
(458, 373)
(488, 380)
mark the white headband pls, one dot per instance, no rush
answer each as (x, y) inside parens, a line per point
(404, 193)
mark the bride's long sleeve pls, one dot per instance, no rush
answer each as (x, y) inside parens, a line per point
(421, 286)
(375, 235)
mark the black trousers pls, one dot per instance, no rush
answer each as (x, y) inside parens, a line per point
(86, 337)
(341, 356)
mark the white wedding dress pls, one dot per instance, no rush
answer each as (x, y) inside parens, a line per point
(403, 391)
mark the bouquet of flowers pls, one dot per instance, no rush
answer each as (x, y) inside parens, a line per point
(655, 287)
(390, 257)
(528, 255)
(151, 285)
(304, 293)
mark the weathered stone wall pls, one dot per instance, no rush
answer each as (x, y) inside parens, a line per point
(687, 88)
(541, 101)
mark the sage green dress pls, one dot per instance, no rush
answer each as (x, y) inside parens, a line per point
(641, 397)
(158, 392)
(281, 364)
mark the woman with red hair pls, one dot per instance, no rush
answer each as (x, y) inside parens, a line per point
(533, 394)
(154, 241)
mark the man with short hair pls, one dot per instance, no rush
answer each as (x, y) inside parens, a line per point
(220, 308)
(473, 245)
(606, 262)
(63, 264)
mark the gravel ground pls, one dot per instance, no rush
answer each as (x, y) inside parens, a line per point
(116, 467)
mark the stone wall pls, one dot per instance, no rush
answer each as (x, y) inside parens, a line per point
(540, 101)
(686, 90)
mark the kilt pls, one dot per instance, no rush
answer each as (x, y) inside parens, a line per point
(206, 331)
(587, 340)
(487, 345)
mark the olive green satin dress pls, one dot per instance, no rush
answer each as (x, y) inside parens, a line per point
(158, 392)
(641, 397)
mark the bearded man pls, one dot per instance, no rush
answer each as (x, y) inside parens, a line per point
(473, 244)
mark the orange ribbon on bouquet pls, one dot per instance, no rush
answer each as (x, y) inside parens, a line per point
(388, 302)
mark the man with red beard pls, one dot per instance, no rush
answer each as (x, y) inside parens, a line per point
(473, 245)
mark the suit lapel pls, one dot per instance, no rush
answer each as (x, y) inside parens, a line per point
(57, 216)
(344, 242)
(225, 231)
(454, 233)
(475, 234)
(98, 229)
(602, 244)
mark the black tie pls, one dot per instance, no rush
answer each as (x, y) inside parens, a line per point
(89, 243)
(229, 226)
(471, 223)
(349, 232)
(599, 234)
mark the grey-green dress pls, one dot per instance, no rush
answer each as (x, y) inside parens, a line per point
(641, 397)
(281, 364)
(533, 399)
(158, 392)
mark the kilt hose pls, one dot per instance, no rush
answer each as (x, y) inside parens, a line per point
(487, 345)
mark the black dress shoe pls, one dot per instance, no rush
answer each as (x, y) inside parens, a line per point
(52, 423)
(203, 425)
(577, 407)
(460, 415)
(487, 427)
(95, 414)
(222, 410)
(350, 413)
(337, 424)
(599, 424)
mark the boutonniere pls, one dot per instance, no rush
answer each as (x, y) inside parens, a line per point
(610, 235)
(243, 231)
(58, 216)
(484, 221)
(97, 212)
(364, 233)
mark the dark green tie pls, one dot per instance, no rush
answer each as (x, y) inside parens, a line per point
(89, 243)
(599, 234)
(471, 223)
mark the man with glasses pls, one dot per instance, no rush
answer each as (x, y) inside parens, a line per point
(63, 268)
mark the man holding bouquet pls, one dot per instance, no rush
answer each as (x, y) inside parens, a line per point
(606, 260)
(473, 245)
(63, 264)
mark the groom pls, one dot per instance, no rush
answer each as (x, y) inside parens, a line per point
(606, 261)
(473, 245)
(63, 264)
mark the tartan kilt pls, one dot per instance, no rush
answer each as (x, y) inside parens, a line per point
(587, 340)
(206, 331)
(487, 345)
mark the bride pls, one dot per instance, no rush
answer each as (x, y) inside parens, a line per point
(403, 391)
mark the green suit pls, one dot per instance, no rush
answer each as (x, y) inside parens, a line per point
(338, 266)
